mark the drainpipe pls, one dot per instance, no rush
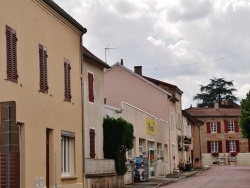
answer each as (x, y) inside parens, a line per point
(82, 106)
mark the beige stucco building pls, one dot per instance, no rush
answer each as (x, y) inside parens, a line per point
(40, 69)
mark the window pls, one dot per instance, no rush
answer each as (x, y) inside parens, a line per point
(213, 126)
(232, 146)
(43, 69)
(141, 146)
(230, 125)
(92, 143)
(67, 153)
(67, 84)
(11, 49)
(91, 87)
(214, 146)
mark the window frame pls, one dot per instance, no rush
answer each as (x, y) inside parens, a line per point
(213, 127)
(11, 54)
(67, 154)
(231, 126)
(232, 146)
(214, 146)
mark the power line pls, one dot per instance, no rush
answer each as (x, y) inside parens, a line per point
(202, 62)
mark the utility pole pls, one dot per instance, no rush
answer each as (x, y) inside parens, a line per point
(107, 50)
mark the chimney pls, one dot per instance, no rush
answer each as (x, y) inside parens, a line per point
(122, 62)
(138, 70)
(216, 104)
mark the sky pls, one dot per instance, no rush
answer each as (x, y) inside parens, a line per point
(182, 42)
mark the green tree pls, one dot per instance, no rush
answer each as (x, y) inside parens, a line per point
(118, 139)
(219, 89)
(245, 116)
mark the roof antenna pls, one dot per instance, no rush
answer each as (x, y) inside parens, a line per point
(107, 50)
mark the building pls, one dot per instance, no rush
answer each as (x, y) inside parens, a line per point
(98, 172)
(124, 85)
(40, 81)
(220, 138)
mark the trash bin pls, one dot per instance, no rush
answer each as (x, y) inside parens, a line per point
(188, 167)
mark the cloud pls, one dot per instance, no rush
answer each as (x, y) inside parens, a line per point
(183, 42)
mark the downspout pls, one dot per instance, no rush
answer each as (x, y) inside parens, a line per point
(82, 106)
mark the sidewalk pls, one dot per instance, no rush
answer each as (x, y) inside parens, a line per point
(161, 181)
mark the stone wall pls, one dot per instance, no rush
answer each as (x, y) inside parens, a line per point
(241, 159)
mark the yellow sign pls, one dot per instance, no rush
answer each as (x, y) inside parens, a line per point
(150, 126)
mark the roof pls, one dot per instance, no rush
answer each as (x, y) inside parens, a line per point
(88, 55)
(169, 86)
(140, 77)
(212, 112)
(65, 15)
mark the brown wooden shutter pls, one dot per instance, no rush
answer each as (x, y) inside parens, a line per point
(218, 127)
(208, 127)
(11, 50)
(43, 69)
(227, 146)
(209, 146)
(220, 146)
(91, 87)
(236, 126)
(92, 143)
(67, 81)
(237, 145)
(226, 125)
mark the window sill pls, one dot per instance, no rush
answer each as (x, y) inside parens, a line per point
(69, 177)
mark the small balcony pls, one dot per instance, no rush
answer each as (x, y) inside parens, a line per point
(99, 167)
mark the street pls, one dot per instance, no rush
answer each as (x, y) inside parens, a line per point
(217, 177)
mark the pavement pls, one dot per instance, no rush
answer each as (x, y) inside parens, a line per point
(164, 180)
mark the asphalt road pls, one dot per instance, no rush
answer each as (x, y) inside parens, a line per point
(217, 177)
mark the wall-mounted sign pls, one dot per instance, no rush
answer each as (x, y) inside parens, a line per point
(150, 126)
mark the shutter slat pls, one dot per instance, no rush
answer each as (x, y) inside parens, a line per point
(218, 127)
(67, 82)
(91, 87)
(227, 146)
(236, 126)
(92, 143)
(237, 145)
(43, 69)
(226, 125)
(220, 146)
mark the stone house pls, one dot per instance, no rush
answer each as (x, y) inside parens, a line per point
(220, 138)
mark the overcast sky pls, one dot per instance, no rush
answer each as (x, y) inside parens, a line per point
(181, 42)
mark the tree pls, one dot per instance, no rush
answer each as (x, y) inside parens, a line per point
(219, 89)
(118, 139)
(245, 116)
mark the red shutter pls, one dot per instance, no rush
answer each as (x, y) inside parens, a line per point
(227, 146)
(43, 69)
(220, 146)
(67, 82)
(237, 145)
(236, 126)
(218, 127)
(226, 125)
(92, 143)
(209, 146)
(11, 50)
(91, 87)
(208, 127)
(249, 145)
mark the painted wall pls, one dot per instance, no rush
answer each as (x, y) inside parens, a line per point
(120, 84)
(36, 23)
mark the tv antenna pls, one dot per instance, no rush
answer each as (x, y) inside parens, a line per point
(107, 50)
